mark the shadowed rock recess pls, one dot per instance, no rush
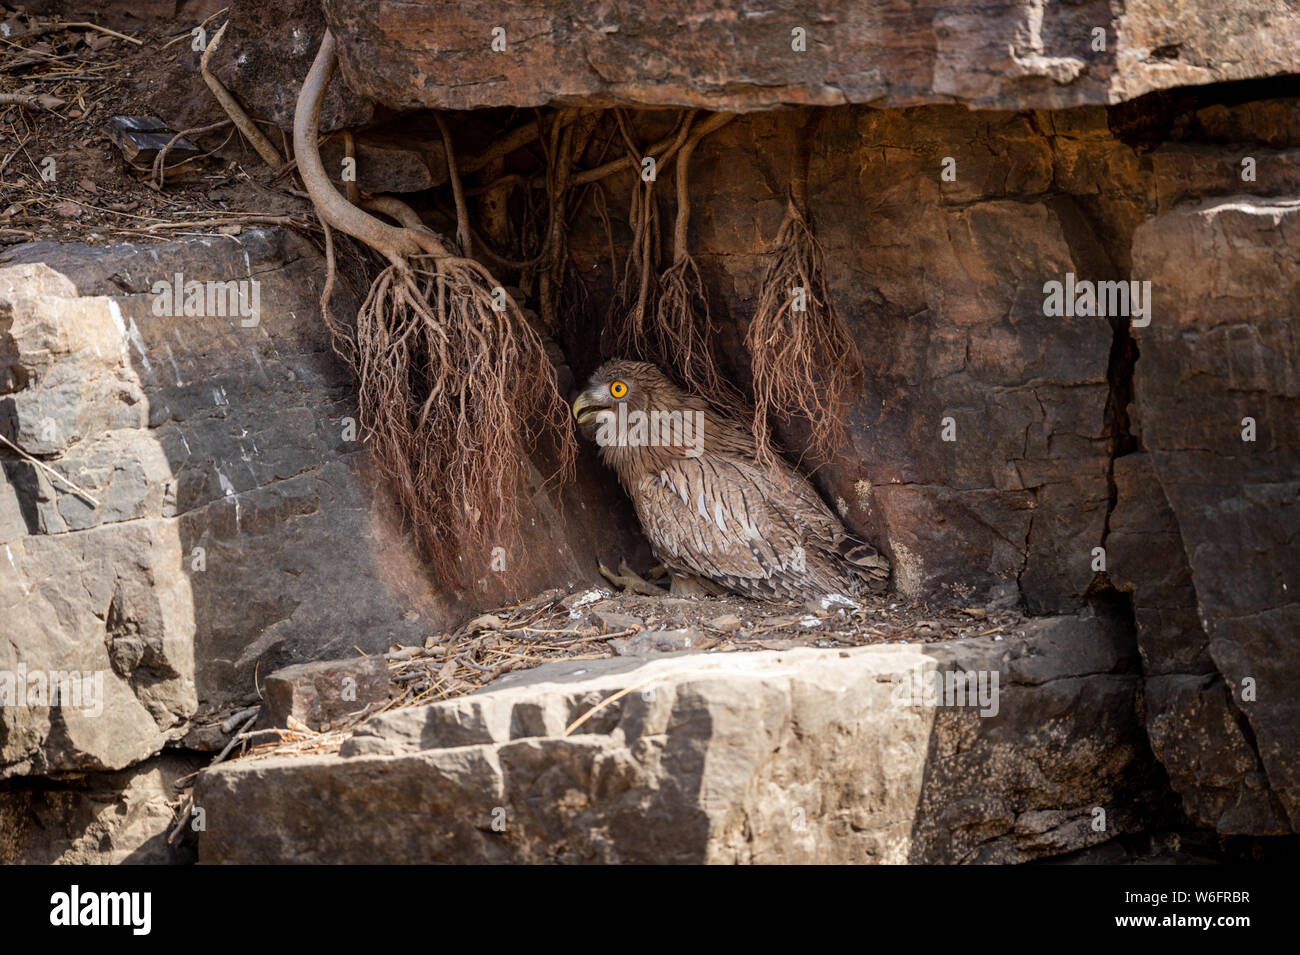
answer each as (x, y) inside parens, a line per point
(1131, 482)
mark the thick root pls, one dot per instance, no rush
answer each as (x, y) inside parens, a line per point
(241, 119)
(455, 387)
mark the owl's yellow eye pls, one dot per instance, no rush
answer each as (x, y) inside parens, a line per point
(618, 389)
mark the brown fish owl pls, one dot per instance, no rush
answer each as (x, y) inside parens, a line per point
(708, 506)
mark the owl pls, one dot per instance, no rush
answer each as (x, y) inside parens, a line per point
(709, 507)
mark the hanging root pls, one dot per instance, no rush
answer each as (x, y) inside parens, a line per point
(682, 322)
(454, 393)
(635, 291)
(680, 338)
(685, 338)
(803, 360)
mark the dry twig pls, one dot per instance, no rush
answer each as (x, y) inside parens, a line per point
(50, 471)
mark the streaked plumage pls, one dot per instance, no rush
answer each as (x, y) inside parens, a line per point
(758, 530)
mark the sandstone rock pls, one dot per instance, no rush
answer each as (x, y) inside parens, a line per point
(125, 14)
(1272, 122)
(387, 163)
(266, 53)
(1196, 733)
(798, 756)
(1006, 54)
(1145, 557)
(727, 623)
(1185, 173)
(1221, 350)
(611, 622)
(232, 485)
(320, 693)
(1195, 730)
(647, 642)
(100, 819)
(204, 738)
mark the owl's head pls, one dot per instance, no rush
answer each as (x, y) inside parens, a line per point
(640, 419)
(637, 385)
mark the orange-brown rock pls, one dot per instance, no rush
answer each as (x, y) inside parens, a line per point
(749, 55)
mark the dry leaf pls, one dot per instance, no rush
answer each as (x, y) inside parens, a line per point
(488, 621)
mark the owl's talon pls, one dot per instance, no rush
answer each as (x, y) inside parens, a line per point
(629, 581)
(606, 572)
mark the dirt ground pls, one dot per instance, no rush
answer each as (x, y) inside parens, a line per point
(84, 77)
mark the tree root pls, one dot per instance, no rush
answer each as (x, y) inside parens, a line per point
(681, 337)
(334, 209)
(454, 386)
(159, 171)
(236, 112)
(626, 312)
(30, 100)
(803, 360)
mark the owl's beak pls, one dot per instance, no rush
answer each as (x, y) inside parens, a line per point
(585, 401)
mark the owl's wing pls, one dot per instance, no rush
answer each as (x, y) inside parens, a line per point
(727, 519)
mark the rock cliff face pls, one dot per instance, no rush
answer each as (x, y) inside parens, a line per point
(1089, 452)
(1132, 478)
(225, 488)
(1218, 397)
(238, 525)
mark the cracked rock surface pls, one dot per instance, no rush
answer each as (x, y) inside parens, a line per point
(238, 525)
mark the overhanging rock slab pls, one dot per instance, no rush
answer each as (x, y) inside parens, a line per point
(1004, 54)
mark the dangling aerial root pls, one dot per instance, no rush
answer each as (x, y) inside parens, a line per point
(455, 387)
(803, 360)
